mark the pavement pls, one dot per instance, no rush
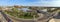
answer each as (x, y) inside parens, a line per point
(57, 20)
(54, 20)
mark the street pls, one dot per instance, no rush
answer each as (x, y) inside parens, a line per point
(5, 16)
(2, 19)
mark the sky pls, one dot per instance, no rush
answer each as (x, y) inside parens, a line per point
(30, 2)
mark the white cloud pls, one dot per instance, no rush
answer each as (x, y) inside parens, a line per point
(49, 3)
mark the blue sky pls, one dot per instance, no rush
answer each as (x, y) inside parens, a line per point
(30, 2)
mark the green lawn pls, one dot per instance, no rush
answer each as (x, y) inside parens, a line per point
(24, 17)
(21, 14)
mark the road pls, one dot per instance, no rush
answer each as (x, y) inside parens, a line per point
(2, 19)
(5, 16)
(20, 20)
(45, 17)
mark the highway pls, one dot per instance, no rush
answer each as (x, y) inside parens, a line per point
(45, 17)
(5, 16)
(2, 19)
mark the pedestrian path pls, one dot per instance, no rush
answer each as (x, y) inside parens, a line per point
(57, 20)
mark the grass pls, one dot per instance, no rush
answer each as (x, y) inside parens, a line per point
(24, 17)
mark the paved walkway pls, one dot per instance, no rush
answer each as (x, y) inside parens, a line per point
(54, 20)
(57, 20)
